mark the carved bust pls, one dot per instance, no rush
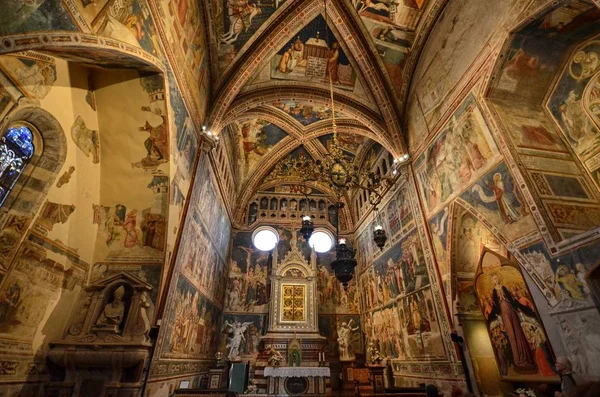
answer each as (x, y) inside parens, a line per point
(112, 315)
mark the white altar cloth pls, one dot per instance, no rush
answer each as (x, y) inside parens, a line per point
(290, 372)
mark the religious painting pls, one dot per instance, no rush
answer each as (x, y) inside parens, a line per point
(528, 68)
(530, 128)
(350, 143)
(333, 298)
(181, 23)
(470, 237)
(186, 140)
(128, 21)
(417, 130)
(497, 197)
(463, 151)
(305, 113)
(567, 24)
(407, 329)
(130, 232)
(33, 74)
(398, 271)
(313, 56)
(438, 229)
(240, 335)
(399, 213)
(31, 16)
(201, 262)
(401, 14)
(190, 324)
(157, 141)
(247, 280)
(392, 26)
(87, 140)
(37, 284)
(465, 294)
(521, 347)
(591, 99)
(420, 328)
(447, 57)
(237, 22)
(566, 104)
(256, 139)
(209, 208)
(564, 275)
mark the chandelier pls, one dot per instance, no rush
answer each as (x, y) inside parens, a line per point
(338, 171)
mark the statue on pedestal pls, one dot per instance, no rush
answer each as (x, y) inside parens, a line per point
(345, 340)
(238, 337)
(112, 315)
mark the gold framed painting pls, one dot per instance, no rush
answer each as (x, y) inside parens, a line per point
(519, 340)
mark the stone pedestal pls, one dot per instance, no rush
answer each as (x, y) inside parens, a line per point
(106, 346)
(377, 377)
(347, 381)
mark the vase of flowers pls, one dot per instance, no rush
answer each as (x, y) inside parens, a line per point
(275, 358)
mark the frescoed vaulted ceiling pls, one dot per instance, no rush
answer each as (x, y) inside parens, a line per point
(271, 82)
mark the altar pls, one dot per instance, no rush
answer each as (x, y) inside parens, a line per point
(296, 380)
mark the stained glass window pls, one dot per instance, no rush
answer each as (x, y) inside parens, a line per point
(16, 149)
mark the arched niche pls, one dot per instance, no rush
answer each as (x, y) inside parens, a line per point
(37, 178)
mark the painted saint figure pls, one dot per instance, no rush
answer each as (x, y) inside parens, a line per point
(507, 211)
(131, 236)
(507, 308)
(332, 63)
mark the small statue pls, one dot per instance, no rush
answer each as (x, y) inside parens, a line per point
(252, 387)
(373, 354)
(112, 315)
(345, 339)
(275, 358)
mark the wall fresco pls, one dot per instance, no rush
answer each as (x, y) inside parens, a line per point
(447, 57)
(498, 199)
(461, 152)
(191, 326)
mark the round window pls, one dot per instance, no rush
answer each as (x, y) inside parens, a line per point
(321, 241)
(265, 238)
